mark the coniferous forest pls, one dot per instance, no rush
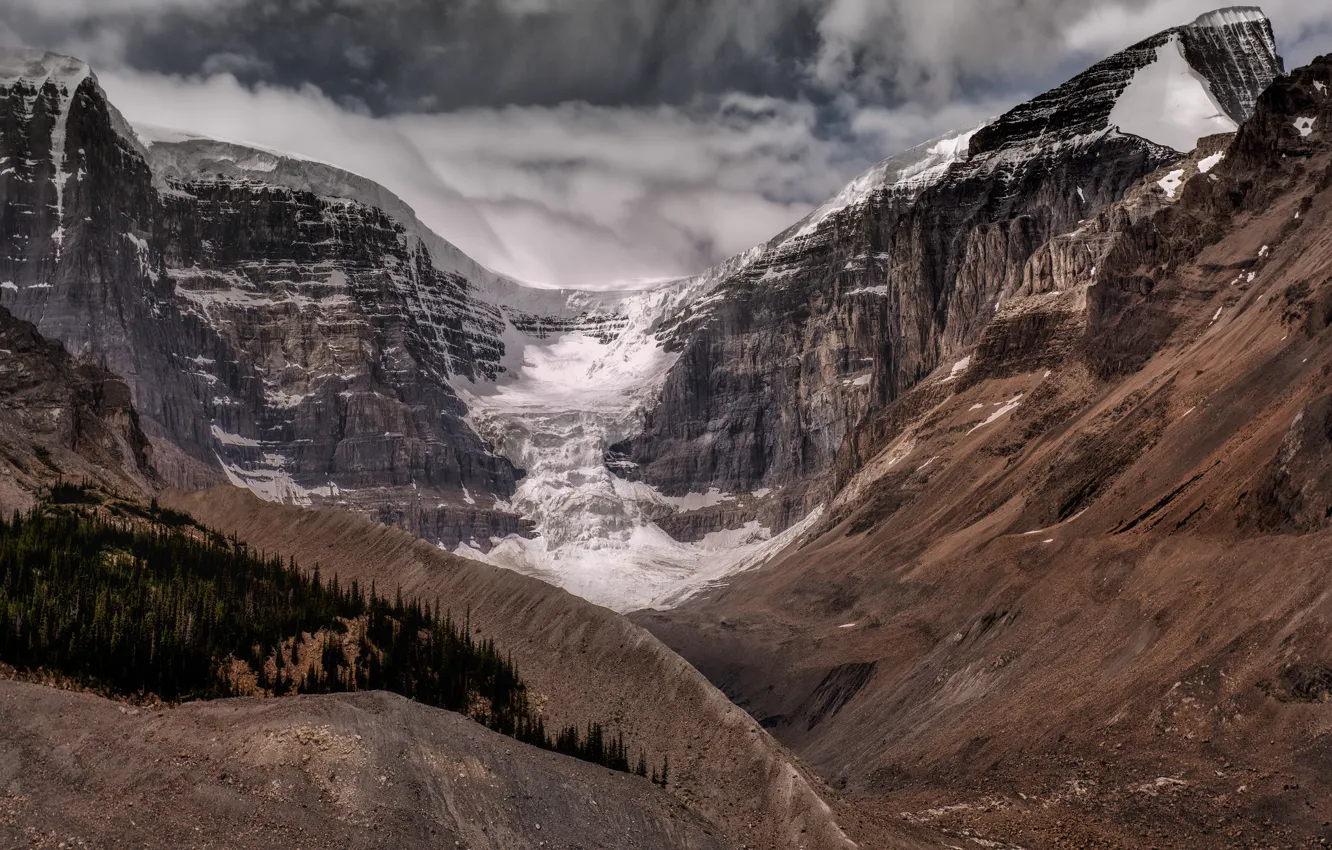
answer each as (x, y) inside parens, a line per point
(167, 609)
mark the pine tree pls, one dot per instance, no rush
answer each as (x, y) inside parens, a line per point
(140, 611)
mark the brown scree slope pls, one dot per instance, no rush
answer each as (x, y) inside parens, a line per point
(349, 770)
(1082, 595)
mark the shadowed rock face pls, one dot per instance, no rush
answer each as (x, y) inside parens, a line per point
(852, 308)
(63, 419)
(298, 343)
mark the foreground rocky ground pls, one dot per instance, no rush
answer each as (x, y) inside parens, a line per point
(352, 770)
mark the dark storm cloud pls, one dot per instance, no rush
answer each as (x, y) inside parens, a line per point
(589, 141)
(443, 55)
(411, 55)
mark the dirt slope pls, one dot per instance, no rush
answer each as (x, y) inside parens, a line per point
(350, 770)
(584, 662)
(1082, 595)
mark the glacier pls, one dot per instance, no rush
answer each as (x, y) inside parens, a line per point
(560, 403)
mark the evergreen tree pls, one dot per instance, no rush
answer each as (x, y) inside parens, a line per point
(159, 611)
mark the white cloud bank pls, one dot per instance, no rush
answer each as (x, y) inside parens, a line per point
(572, 195)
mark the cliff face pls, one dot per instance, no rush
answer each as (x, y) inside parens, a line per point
(854, 306)
(292, 340)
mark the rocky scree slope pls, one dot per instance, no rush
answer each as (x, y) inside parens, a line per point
(1077, 595)
(582, 663)
(352, 770)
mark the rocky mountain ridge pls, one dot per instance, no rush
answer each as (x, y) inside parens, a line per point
(902, 271)
(297, 343)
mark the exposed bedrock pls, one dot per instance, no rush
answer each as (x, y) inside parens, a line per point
(299, 344)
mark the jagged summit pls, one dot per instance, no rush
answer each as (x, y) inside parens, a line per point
(1231, 16)
(180, 157)
(1170, 89)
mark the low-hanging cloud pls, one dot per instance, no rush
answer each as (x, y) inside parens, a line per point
(572, 195)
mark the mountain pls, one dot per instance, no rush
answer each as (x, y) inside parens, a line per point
(1073, 591)
(292, 328)
(728, 431)
(991, 499)
(277, 333)
(906, 268)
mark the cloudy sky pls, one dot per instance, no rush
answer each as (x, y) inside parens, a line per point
(596, 142)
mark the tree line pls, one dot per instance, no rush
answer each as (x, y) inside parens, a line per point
(140, 609)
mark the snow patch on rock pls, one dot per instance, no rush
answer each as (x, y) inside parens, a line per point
(1231, 16)
(959, 369)
(1006, 408)
(1170, 103)
(1208, 163)
(1171, 182)
(911, 171)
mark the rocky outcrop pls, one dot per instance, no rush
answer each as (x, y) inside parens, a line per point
(601, 327)
(1295, 493)
(61, 419)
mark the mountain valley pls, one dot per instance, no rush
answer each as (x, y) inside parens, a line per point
(985, 506)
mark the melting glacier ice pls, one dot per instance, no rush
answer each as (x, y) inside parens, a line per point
(562, 402)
